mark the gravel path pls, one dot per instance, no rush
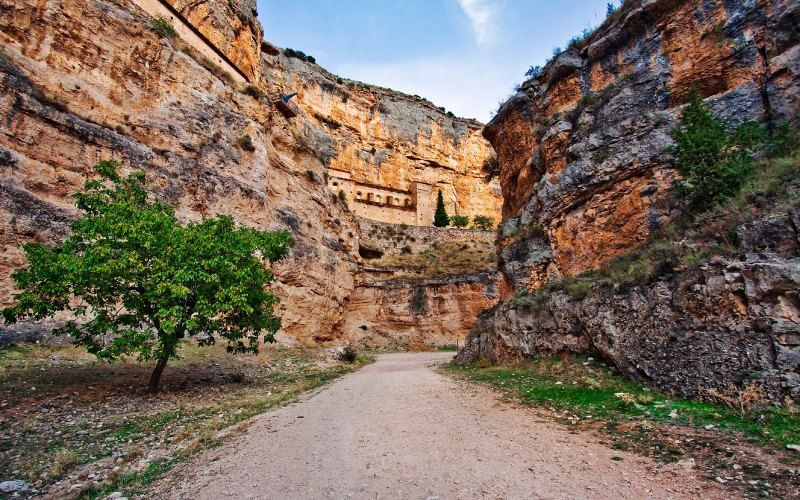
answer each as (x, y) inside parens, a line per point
(397, 429)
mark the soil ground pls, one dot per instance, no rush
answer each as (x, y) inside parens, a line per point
(398, 429)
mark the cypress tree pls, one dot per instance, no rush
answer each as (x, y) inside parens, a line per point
(441, 219)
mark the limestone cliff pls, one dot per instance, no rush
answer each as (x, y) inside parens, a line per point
(84, 81)
(385, 139)
(419, 285)
(586, 170)
(583, 147)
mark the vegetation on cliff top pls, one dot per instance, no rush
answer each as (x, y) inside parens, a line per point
(441, 259)
(136, 281)
(299, 54)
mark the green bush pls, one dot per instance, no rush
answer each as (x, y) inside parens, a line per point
(342, 196)
(440, 218)
(163, 27)
(785, 141)
(349, 354)
(483, 223)
(491, 167)
(459, 220)
(713, 162)
(253, 92)
(299, 54)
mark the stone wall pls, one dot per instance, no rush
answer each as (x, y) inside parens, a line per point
(391, 239)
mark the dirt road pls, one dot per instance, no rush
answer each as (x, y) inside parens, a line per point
(397, 429)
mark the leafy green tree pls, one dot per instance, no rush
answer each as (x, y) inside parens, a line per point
(459, 220)
(138, 282)
(713, 162)
(482, 223)
(440, 218)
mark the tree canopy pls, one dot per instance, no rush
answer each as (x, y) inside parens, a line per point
(713, 162)
(137, 281)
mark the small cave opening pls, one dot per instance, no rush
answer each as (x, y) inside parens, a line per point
(367, 252)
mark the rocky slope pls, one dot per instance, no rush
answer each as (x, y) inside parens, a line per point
(419, 285)
(728, 323)
(84, 81)
(586, 170)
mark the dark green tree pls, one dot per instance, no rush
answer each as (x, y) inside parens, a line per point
(137, 282)
(440, 218)
(713, 162)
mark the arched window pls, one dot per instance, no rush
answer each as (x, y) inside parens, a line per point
(388, 200)
(378, 198)
(335, 183)
(408, 202)
(358, 194)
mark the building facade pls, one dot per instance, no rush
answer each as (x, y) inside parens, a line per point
(414, 206)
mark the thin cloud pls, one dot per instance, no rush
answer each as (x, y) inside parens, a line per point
(482, 15)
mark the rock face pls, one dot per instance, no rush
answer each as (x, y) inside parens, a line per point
(84, 81)
(390, 143)
(149, 103)
(389, 309)
(394, 313)
(728, 323)
(583, 147)
(585, 172)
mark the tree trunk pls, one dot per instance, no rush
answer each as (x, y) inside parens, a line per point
(155, 378)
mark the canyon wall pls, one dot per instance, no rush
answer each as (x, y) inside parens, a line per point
(419, 285)
(397, 312)
(384, 140)
(586, 173)
(729, 323)
(83, 81)
(583, 147)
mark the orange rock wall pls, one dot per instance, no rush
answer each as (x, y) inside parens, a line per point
(584, 147)
(389, 139)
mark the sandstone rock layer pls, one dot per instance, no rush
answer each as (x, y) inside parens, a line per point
(586, 171)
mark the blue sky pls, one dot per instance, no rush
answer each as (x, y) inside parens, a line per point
(466, 55)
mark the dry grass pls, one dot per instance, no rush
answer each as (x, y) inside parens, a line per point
(743, 401)
(64, 416)
(445, 258)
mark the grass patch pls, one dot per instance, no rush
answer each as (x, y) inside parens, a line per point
(586, 389)
(163, 27)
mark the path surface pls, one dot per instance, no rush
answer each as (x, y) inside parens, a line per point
(397, 429)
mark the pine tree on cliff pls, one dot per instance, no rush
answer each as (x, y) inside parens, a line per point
(441, 219)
